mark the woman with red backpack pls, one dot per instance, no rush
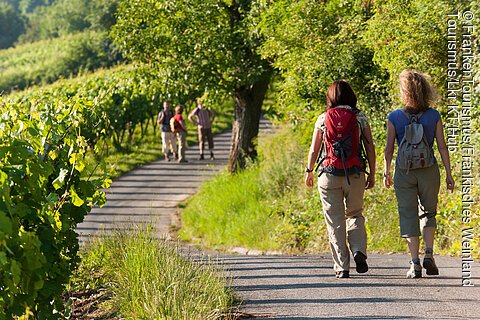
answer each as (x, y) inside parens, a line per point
(339, 139)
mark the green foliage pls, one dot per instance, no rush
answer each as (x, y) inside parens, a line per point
(11, 24)
(313, 43)
(27, 6)
(43, 198)
(196, 45)
(46, 61)
(64, 17)
(122, 97)
(151, 279)
(410, 34)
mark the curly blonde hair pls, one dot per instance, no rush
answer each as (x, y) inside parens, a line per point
(416, 92)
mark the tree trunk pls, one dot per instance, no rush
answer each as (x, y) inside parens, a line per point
(248, 107)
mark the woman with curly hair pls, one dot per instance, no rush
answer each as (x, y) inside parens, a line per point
(417, 189)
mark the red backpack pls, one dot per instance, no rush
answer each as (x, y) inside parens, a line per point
(341, 140)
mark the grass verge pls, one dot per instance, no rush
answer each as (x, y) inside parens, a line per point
(135, 275)
(264, 207)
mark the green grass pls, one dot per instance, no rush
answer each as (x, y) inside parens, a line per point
(148, 278)
(258, 208)
(235, 218)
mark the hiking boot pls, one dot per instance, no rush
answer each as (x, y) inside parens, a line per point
(211, 156)
(342, 274)
(201, 157)
(415, 270)
(361, 262)
(429, 265)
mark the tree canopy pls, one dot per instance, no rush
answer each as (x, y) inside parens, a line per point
(63, 17)
(195, 45)
(313, 43)
(11, 24)
(198, 46)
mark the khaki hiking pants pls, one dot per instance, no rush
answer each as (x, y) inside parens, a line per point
(168, 141)
(182, 145)
(342, 207)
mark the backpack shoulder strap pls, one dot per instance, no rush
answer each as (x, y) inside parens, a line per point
(413, 117)
(361, 150)
(418, 115)
(407, 115)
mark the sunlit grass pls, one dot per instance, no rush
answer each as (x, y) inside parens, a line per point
(238, 217)
(149, 278)
(267, 207)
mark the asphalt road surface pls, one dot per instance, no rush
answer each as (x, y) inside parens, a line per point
(287, 287)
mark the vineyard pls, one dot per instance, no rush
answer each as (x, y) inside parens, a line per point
(54, 141)
(46, 61)
(44, 197)
(82, 81)
(47, 135)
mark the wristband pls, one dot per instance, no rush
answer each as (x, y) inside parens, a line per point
(308, 170)
(386, 175)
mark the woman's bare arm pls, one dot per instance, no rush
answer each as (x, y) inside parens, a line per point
(371, 156)
(313, 155)
(443, 149)
(388, 155)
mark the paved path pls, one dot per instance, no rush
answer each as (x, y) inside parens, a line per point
(151, 193)
(288, 287)
(304, 287)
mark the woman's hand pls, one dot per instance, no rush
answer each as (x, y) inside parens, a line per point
(370, 182)
(387, 180)
(450, 183)
(309, 181)
(312, 156)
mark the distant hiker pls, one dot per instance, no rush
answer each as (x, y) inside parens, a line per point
(417, 177)
(339, 136)
(203, 119)
(168, 137)
(180, 129)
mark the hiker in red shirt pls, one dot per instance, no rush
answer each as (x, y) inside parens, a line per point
(180, 129)
(203, 119)
(340, 135)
